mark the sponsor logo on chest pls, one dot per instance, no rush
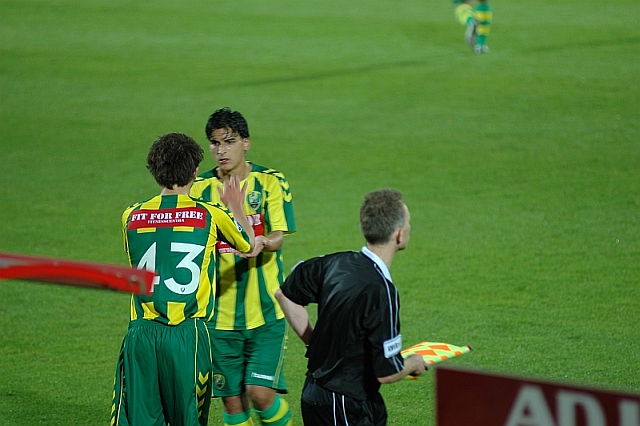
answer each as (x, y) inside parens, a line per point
(255, 220)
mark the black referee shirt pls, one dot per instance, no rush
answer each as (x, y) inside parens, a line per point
(357, 336)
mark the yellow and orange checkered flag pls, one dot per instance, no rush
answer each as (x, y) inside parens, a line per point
(435, 352)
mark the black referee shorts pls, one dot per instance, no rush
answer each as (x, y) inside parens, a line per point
(322, 407)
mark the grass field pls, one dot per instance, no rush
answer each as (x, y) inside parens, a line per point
(520, 168)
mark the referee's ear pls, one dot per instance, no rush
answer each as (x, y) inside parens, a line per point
(398, 236)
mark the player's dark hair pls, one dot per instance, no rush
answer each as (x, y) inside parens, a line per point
(224, 118)
(173, 159)
(382, 212)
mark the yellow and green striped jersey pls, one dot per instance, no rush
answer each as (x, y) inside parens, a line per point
(245, 287)
(175, 236)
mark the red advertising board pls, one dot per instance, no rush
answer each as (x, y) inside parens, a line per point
(471, 398)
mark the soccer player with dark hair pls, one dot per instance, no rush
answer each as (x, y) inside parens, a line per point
(477, 21)
(163, 374)
(355, 344)
(248, 330)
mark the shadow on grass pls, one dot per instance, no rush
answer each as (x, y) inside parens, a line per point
(587, 44)
(325, 74)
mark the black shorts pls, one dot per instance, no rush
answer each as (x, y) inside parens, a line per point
(322, 407)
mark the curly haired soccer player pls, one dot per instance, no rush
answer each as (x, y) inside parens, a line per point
(163, 374)
(248, 330)
(477, 21)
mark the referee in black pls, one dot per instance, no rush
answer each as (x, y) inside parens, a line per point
(356, 342)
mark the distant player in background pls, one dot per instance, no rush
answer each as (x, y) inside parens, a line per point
(477, 22)
(248, 330)
(163, 374)
(355, 345)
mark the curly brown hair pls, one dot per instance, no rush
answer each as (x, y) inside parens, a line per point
(173, 159)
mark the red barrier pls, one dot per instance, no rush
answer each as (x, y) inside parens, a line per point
(467, 398)
(85, 274)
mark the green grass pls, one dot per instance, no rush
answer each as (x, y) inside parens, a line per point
(520, 169)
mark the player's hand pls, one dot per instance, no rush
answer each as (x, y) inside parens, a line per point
(231, 195)
(260, 244)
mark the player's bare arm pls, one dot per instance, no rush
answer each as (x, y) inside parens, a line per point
(274, 241)
(297, 317)
(414, 365)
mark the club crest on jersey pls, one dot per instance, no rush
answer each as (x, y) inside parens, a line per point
(219, 380)
(254, 199)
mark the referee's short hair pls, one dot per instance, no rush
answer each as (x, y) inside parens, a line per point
(382, 212)
(173, 159)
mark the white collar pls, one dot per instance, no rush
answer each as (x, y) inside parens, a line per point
(383, 267)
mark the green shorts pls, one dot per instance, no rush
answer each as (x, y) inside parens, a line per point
(249, 357)
(163, 375)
